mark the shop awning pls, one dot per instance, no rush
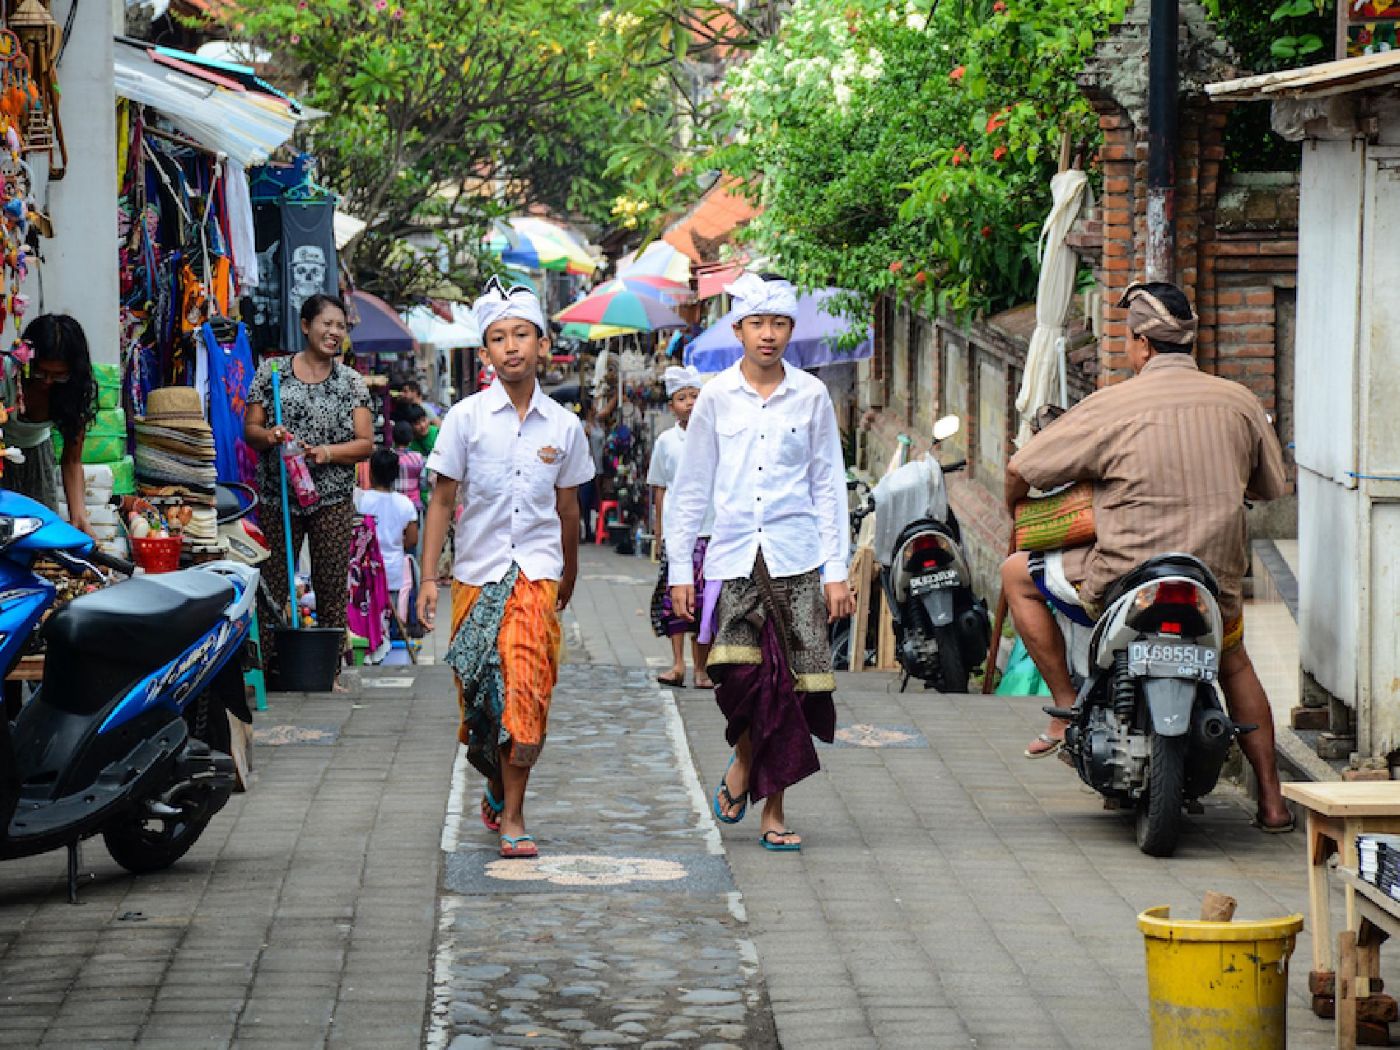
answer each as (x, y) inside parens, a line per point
(212, 108)
(721, 211)
(710, 280)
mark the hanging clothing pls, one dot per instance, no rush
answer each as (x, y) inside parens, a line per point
(262, 306)
(308, 261)
(242, 241)
(367, 605)
(230, 371)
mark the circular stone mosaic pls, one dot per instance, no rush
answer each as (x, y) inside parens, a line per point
(864, 735)
(586, 869)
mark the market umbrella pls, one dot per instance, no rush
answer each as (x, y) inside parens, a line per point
(533, 244)
(815, 339)
(658, 260)
(614, 303)
(379, 330)
(1044, 378)
(593, 333)
(427, 327)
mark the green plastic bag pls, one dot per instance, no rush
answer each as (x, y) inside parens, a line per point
(1021, 677)
(105, 441)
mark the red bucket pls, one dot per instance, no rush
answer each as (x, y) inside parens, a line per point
(157, 553)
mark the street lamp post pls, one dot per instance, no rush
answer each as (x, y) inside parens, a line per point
(1162, 90)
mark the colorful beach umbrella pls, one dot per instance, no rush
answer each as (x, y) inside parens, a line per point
(658, 260)
(534, 244)
(614, 303)
(593, 333)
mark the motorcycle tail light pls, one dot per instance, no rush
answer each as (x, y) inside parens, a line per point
(927, 552)
(1173, 607)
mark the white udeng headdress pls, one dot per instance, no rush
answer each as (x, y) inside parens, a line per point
(753, 295)
(498, 303)
(681, 378)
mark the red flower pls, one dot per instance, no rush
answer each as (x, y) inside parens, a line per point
(986, 231)
(995, 121)
(896, 266)
(920, 277)
(998, 153)
(959, 155)
(957, 74)
(999, 7)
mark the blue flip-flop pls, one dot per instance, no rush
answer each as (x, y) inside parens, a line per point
(519, 847)
(488, 800)
(778, 846)
(723, 800)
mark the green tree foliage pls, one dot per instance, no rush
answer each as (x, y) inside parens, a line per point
(907, 147)
(441, 113)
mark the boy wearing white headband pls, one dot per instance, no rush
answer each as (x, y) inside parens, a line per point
(764, 446)
(682, 387)
(521, 457)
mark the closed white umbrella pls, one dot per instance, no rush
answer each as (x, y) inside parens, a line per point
(1044, 381)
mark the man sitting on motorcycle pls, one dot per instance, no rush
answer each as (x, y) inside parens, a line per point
(1173, 455)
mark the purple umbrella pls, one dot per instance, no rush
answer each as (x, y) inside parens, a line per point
(814, 340)
(379, 330)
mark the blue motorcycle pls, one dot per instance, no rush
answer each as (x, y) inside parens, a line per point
(127, 735)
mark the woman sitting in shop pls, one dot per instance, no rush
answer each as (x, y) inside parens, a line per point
(58, 393)
(326, 408)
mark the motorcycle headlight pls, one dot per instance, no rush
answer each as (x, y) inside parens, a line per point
(12, 529)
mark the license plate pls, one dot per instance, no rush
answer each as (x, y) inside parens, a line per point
(1173, 660)
(934, 581)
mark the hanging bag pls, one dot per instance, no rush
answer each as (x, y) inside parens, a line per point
(1059, 519)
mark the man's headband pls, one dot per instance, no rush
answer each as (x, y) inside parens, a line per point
(498, 303)
(1148, 317)
(753, 295)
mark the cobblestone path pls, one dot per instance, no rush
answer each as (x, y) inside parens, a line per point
(629, 930)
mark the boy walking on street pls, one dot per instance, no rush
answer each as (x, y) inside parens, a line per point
(763, 444)
(521, 457)
(682, 387)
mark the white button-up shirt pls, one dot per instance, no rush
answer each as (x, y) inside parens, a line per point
(510, 469)
(661, 473)
(777, 475)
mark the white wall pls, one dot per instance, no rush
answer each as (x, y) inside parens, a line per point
(78, 272)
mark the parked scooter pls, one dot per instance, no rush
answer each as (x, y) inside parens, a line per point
(941, 627)
(127, 735)
(1147, 728)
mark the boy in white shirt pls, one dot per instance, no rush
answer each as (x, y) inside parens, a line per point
(764, 446)
(521, 457)
(682, 387)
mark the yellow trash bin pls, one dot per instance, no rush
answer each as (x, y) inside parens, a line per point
(1218, 985)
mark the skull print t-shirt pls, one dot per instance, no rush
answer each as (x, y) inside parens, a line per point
(316, 414)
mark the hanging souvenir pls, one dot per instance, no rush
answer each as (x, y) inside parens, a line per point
(40, 38)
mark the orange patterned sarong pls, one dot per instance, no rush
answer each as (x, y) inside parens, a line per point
(529, 645)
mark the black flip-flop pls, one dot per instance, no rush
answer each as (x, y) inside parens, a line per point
(672, 683)
(1257, 821)
(775, 845)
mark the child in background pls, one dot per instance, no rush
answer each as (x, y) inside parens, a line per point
(395, 520)
(411, 481)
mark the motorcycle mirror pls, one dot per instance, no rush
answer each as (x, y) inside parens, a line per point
(946, 428)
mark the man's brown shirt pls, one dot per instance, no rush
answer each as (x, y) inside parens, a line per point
(1173, 454)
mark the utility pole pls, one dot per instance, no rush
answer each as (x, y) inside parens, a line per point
(1162, 88)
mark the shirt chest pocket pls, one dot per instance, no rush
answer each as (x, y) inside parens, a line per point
(486, 481)
(793, 444)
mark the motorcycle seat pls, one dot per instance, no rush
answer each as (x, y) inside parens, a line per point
(146, 620)
(1161, 567)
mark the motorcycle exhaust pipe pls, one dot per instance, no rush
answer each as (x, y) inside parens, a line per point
(1212, 730)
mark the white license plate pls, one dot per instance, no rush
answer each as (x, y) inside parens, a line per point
(934, 581)
(1173, 660)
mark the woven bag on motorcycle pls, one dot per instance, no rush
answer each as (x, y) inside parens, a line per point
(1061, 519)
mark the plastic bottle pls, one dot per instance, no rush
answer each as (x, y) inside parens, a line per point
(298, 473)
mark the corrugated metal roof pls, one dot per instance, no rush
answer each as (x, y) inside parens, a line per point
(1363, 73)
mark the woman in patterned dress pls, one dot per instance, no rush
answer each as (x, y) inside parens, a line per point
(326, 407)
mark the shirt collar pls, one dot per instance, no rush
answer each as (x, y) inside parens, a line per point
(1162, 362)
(497, 398)
(739, 382)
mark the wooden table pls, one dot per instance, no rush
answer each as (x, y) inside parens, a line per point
(1378, 919)
(1336, 813)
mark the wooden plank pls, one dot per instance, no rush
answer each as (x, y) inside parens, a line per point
(862, 579)
(29, 669)
(885, 659)
(1375, 798)
(1346, 991)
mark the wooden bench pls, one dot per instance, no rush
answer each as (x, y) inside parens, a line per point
(1358, 959)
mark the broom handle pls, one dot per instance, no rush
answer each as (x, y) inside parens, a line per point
(286, 507)
(989, 675)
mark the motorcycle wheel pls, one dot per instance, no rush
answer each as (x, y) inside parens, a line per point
(952, 671)
(1159, 810)
(145, 844)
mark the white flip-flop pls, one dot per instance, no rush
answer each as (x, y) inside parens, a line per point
(1045, 738)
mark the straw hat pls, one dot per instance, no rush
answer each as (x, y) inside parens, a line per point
(179, 407)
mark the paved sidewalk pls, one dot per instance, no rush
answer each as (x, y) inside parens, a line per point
(951, 892)
(303, 917)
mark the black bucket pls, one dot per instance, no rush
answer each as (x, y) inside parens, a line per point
(307, 658)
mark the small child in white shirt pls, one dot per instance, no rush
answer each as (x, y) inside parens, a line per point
(395, 521)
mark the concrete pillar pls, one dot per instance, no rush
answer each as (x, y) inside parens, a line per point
(78, 270)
